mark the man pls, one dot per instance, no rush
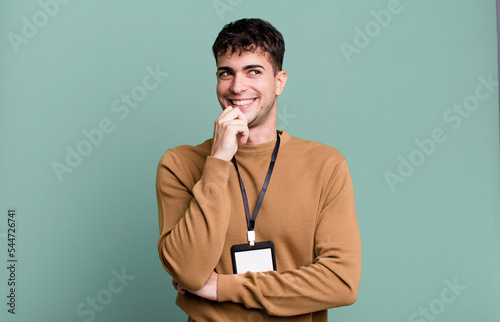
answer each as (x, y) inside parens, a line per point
(308, 212)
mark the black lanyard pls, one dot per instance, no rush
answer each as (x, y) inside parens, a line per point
(251, 221)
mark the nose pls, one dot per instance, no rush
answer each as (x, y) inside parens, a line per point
(239, 84)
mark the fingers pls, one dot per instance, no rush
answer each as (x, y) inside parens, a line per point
(178, 287)
(242, 131)
(230, 113)
(226, 110)
(233, 127)
(229, 128)
(234, 120)
(244, 134)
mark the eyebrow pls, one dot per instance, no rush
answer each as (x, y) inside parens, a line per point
(244, 68)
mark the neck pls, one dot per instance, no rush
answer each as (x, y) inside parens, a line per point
(261, 135)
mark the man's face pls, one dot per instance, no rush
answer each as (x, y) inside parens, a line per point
(247, 82)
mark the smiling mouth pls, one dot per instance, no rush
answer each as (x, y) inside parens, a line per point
(241, 103)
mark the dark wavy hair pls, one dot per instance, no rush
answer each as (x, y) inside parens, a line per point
(251, 35)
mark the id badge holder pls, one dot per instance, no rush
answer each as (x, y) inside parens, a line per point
(258, 258)
(254, 257)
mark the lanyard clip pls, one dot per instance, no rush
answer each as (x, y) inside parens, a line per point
(251, 237)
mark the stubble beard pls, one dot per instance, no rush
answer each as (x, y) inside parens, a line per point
(262, 116)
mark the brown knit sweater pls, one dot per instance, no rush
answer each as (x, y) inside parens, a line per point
(308, 212)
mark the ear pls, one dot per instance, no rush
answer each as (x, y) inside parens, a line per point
(280, 81)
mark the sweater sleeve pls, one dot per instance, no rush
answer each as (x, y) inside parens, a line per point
(193, 224)
(331, 280)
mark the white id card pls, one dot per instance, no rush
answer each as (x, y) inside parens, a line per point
(258, 258)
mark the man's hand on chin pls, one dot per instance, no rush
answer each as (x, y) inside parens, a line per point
(208, 291)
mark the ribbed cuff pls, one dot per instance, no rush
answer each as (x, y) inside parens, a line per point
(231, 288)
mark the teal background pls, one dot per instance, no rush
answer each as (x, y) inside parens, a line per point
(442, 223)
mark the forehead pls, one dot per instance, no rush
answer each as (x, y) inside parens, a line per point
(244, 58)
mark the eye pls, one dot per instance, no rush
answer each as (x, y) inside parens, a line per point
(224, 73)
(254, 72)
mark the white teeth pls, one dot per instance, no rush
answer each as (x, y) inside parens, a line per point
(242, 102)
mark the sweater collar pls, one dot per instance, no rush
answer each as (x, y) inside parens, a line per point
(244, 149)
